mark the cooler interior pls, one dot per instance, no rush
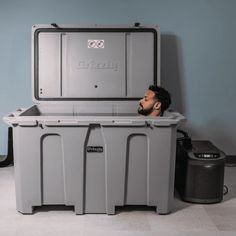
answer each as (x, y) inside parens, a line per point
(38, 111)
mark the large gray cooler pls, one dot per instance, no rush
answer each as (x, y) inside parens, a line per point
(83, 144)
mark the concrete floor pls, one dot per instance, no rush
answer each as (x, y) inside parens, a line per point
(186, 219)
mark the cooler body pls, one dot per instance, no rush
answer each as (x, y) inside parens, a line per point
(96, 164)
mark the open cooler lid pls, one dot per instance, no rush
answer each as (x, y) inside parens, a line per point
(72, 63)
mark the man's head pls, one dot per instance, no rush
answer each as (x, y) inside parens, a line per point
(155, 101)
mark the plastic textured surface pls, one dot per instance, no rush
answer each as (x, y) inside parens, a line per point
(130, 163)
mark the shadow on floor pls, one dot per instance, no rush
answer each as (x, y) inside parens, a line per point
(48, 208)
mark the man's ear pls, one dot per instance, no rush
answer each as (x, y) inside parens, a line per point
(157, 106)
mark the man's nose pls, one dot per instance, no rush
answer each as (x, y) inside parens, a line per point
(140, 101)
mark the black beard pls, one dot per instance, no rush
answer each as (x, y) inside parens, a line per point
(145, 112)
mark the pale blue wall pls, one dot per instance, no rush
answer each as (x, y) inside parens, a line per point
(198, 54)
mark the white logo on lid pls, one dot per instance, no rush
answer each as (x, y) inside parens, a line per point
(96, 43)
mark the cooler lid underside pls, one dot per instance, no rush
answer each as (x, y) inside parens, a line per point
(97, 64)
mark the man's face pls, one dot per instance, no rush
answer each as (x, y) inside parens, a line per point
(146, 104)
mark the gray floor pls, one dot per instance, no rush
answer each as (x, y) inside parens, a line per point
(186, 219)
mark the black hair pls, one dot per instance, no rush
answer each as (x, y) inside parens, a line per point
(162, 95)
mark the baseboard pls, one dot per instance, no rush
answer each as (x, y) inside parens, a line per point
(231, 159)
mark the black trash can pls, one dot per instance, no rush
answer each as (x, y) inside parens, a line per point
(200, 173)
